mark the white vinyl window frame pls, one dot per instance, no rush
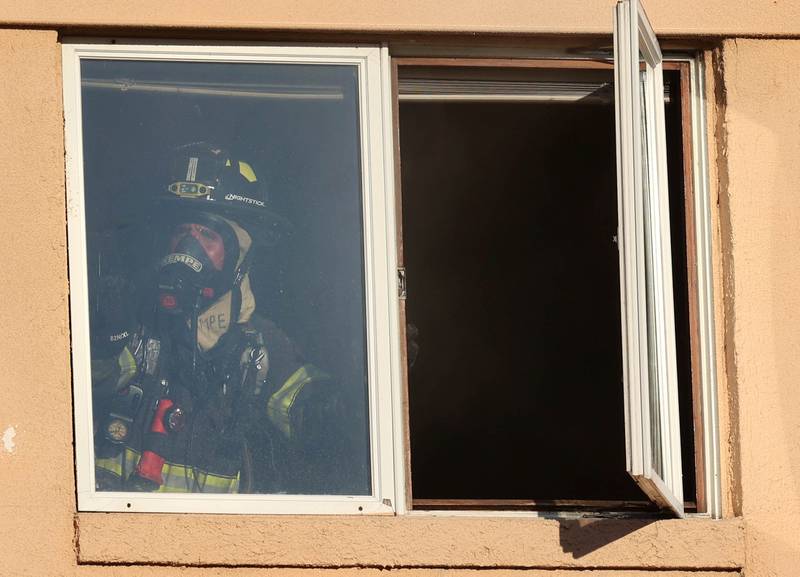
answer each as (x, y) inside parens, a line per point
(450, 90)
(643, 242)
(652, 427)
(371, 63)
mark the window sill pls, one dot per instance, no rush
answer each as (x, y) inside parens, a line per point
(408, 541)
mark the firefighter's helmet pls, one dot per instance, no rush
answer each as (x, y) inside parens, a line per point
(204, 177)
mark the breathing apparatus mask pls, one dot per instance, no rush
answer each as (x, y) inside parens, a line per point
(199, 265)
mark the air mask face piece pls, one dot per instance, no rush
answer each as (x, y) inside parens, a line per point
(199, 263)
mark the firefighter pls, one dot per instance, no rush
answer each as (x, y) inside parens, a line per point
(212, 397)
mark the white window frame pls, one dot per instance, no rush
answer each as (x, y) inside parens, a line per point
(648, 331)
(383, 332)
(638, 427)
(371, 63)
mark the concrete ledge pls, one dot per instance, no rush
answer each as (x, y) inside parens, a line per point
(466, 542)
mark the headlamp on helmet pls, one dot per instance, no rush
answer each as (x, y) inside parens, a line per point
(203, 171)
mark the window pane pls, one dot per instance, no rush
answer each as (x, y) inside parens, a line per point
(655, 424)
(225, 255)
(652, 423)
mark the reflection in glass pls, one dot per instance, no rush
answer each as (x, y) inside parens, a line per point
(223, 210)
(653, 367)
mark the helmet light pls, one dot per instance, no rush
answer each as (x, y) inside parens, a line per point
(186, 189)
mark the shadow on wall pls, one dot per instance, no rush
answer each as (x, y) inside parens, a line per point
(580, 537)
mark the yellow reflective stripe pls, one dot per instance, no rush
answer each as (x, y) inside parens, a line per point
(127, 367)
(103, 369)
(177, 478)
(279, 406)
(110, 464)
(114, 464)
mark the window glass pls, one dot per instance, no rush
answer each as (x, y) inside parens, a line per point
(652, 354)
(651, 380)
(225, 257)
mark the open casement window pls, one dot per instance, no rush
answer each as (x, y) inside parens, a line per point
(648, 328)
(550, 352)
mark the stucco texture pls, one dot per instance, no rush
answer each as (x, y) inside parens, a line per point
(671, 17)
(760, 157)
(413, 541)
(36, 471)
(41, 534)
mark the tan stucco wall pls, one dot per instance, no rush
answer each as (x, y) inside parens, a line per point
(36, 479)
(762, 122)
(758, 144)
(682, 17)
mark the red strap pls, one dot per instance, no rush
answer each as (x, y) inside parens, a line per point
(157, 425)
(149, 467)
(150, 464)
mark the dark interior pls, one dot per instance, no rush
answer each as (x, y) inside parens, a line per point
(515, 376)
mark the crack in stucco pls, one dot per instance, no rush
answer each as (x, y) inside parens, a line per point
(728, 271)
(76, 538)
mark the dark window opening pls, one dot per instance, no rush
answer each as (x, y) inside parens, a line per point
(509, 244)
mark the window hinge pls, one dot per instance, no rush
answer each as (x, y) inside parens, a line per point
(401, 282)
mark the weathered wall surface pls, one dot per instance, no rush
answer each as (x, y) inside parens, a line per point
(762, 122)
(414, 541)
(36, 471)
(39, 532)
(674, 17)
